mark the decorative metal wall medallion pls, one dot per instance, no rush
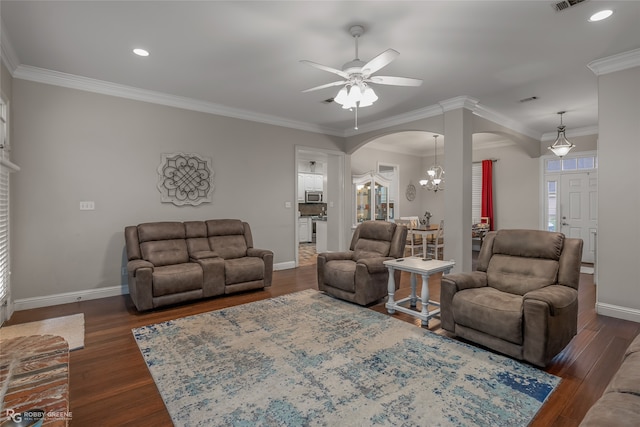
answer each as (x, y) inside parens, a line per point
(185, 179)
(411, 192)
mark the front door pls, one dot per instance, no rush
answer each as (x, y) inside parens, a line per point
(578, 215)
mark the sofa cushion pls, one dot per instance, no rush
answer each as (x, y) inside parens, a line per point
(490, 311)
(245, 269)
(224, 227)
(518, 275)
(368, 248)
(165, 252)
(529, 243)
(340, 274)
(177, 278)
(160, 231)
(229, 247)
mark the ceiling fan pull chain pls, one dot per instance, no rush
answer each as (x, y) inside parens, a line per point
(356, 125)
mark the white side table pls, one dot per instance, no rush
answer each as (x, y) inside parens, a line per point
(415, 266)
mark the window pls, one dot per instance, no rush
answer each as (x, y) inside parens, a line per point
(552, 205)
(578, 163)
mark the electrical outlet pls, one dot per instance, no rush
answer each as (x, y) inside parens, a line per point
(88, 205)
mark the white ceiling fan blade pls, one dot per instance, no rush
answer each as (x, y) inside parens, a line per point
(340, 83)
(394, 81)
(325, 68)
(379, 61)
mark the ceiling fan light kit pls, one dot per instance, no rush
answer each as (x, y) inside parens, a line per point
(356, 91)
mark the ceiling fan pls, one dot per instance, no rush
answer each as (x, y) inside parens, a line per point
(357, 75)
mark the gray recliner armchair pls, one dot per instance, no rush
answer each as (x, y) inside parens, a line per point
(359, 275)
(523, 299)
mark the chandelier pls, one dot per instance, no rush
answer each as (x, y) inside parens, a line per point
(561, 146)
(435, 174)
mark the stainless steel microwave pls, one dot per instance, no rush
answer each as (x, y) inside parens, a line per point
(313, 196)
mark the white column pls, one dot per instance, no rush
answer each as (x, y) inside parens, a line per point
(458, 131)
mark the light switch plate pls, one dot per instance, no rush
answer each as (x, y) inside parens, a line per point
(88, 205)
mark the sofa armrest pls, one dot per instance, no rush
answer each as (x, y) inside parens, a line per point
(461, 281)
(557, 297)
(336, 256)
(212, 274)
(140, 282)
(550, 321)
(375, 265)
(267, 258)
(260, 253)
(196, 256)
(136, 264)
(449, 285)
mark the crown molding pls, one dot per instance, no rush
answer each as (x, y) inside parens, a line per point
(71, 81)
(494, 116)
(459, 102)
(619, 62)
(587, 130)
(9, 56)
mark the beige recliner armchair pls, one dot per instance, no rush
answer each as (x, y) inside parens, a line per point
(359, 274)
(523, 299)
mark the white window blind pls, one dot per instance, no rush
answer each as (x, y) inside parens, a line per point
(4, 234)
(6, 167)
(476, 192)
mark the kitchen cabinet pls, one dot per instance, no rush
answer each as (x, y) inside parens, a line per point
(309, 182)
(305, 229)
(372, 197)
(301, 188)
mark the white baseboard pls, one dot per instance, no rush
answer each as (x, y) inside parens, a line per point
(284, 265)
(618, 312)
(67, 297)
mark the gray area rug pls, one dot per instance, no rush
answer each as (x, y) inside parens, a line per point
(309, 359)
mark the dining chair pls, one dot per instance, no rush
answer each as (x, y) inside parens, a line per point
(414, 240)
(435, 243)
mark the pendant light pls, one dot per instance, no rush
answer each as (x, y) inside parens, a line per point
(435, 174)
(561, 146)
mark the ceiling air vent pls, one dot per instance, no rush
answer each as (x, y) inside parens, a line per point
(566, 4)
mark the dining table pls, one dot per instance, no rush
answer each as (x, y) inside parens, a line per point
(424, 231)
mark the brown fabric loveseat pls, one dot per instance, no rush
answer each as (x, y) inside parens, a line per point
(619, 405)
(174, 262)
(523, 299)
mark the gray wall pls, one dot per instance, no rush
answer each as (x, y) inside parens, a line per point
(618, 256)
(74, 145)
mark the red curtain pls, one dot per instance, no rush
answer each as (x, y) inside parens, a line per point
(487, 191)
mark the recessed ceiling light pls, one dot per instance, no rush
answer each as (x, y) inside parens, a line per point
(599, 16)
(140, 52)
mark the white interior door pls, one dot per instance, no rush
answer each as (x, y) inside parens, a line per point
(578, 210)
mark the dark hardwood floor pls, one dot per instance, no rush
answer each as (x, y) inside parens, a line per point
(111, 386)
